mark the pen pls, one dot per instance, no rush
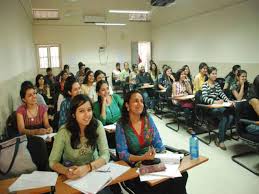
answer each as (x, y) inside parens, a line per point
(103, 171)
(107, 170)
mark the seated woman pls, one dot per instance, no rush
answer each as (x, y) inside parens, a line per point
(108, 108)
(200, 77)
(239, 89)
(182, 87)
(230, 79)
(100, 75)
(154, 72)
(136, 132)
(132, 76)
(166, 80)
(88, 86)
(32, 119)
(213, 94)
(81, 143)
(253, 100)
(42, 88)
(188, 74)
(71, 89)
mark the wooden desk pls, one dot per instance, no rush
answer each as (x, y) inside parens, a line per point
(62, 188)
(187, 97)
(212, 105)
(185, 165)
(146, 86)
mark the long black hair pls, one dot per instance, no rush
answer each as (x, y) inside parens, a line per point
(151, 69)
(72, 125)
(37, 80)
(68, 86)
(124, 120)
(256, 86)
(97, 89)
(232, 73)
(178, 74)
(86, 76)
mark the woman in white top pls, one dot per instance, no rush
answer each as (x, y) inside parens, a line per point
(88, 87)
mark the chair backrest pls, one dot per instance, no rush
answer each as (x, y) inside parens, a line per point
(221, 82)
(243, 111)
(198, 97)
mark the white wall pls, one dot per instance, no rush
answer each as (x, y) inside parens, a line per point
(81, 43)
(221, 38)
(16, 53)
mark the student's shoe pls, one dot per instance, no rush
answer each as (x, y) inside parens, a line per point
(222, 146)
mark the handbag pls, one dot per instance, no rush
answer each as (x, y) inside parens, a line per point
(15, 158)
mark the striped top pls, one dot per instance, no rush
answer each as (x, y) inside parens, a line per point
(211, 94)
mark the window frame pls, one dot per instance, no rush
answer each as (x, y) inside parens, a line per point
(38, 46)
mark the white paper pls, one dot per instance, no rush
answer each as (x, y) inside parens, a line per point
(98, 179)
(115, 169)
(171, 171)
(227, 104)
(110, 128)
(37, 179)
(91, 183)
(169, 157)
(47, 136)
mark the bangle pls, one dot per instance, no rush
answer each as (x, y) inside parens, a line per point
(90, 166)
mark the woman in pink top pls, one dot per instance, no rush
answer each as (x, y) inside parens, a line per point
(182, 87)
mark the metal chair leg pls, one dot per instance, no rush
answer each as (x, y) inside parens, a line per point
(234, 158)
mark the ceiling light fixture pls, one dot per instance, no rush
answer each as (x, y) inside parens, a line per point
(110, 24)
(129, 11)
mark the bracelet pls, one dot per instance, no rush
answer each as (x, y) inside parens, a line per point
(90, 166)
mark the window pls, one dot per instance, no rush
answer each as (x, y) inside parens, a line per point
(48, 55)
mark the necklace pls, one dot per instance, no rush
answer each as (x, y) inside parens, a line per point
(32, 115)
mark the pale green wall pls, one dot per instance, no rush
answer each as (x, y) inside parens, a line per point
(16, 53)
(221, 38)
(81, 43)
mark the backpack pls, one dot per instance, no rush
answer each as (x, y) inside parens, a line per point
(11, 126)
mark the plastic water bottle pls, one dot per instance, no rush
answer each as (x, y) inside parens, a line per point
(194, 146)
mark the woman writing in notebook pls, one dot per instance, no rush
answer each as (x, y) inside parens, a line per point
(137, 139)
(81, 144)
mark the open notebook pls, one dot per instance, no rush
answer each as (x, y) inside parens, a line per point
(91, 183)
(97, 180)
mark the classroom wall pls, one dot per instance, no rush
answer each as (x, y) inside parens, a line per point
(16, 53)
(221, 38)
(82, 42)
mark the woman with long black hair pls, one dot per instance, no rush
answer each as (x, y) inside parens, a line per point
(137, 139)
(81, 144)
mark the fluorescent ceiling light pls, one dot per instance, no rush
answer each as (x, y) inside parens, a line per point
(45, 14)
(110, 24)
(129, 11)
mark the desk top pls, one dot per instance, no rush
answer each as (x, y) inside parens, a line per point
(146, 86)
(185, 165)
(187, 97)
(62, 188)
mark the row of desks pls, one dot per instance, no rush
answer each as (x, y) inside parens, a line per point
(62, 188)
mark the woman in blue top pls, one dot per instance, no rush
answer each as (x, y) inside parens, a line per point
(136, 133)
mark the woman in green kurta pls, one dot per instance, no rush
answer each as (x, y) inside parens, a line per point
(108, 107)
(81, 143)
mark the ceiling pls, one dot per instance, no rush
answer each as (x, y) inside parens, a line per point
(72, 11)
